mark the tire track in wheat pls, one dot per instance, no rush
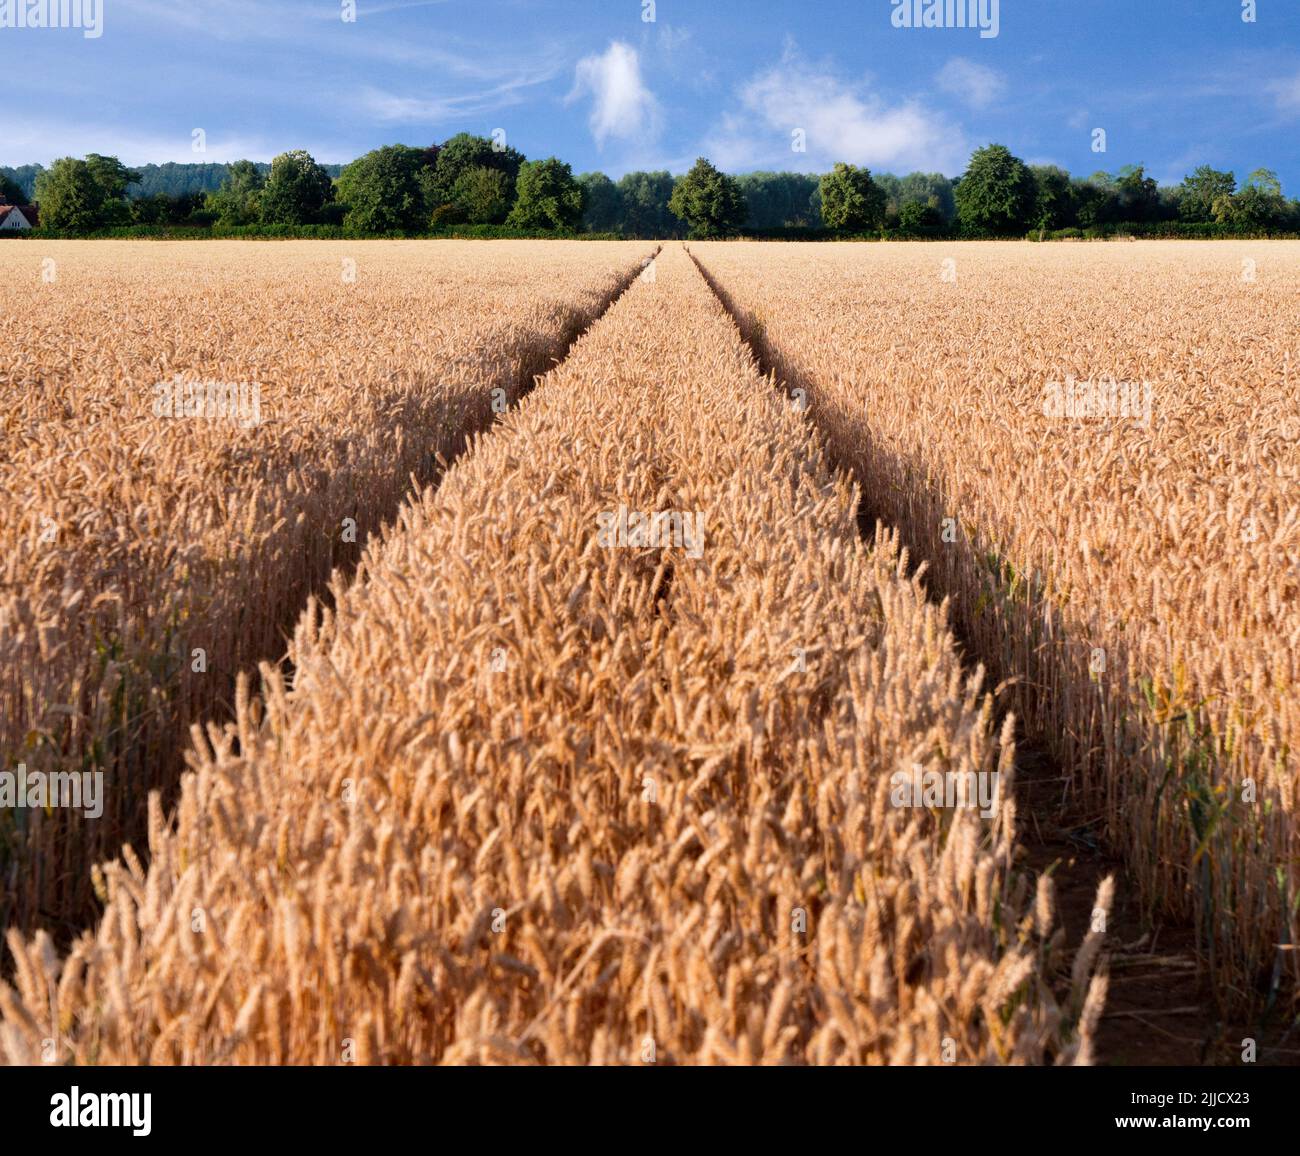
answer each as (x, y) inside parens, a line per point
(140, 541)
(527, 801)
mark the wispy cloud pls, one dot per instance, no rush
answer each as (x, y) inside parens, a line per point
(622, 105)
(433, 109)
(976, 84)
(1286, 92)
(482, 87)
(228, 19)
(294, 28)
(840, 121)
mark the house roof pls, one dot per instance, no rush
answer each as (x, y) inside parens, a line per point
(28, 211)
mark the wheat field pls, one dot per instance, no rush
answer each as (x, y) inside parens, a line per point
(150, 554)
(543, 790)
(1096, 449)
(608, 736)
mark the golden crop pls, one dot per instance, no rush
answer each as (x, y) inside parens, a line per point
(148, 554)
(555, 782)
(1140, 580)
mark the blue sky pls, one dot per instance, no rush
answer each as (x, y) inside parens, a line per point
(1173, 83)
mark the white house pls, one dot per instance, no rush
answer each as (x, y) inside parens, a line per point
(16, 217)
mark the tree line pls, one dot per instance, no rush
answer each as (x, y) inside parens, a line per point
(479, 183)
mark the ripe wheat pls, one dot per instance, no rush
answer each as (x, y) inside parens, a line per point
(1136, 572)
(146, 554)
(537, 795)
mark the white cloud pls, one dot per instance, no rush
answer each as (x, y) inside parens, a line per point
(389, 106)
(1287, 93)
(673, 39)
(622, 106)
(840, 122)
(977, 84)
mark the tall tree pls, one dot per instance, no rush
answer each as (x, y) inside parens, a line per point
(111, 175)
(604, 211)
(82, 195)
(1259, 204)
(457, 156)
(930, 189)
(1093, 201)
(382, 191)
(918, 220)
(709, 201)
(70, 197)
(1266, 181)
(297, 190)
(1053, 205)
(646, 199)
(24, 176)
(851, 200)
(1200, 189)
(547, 197)
(236, 201)
(1139, 195)
(996, 194)
(778, 200)
(482, 196)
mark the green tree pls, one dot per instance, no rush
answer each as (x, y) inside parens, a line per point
(111, 175)
(646, 199)
(1200, 189)
(996, 194)
(24, 176)
(918, 220)
(604, 211)
(1094, 201)
(176, 180)
(154, 210)
(1139, 195)
(11, 191)
(83, 195)
(448, 162)
(1258, 206)
(236, 201)
(851, 200)
(547, 197)
(482, 196)
(382, 191)
(161, 209)
(113, 178)
(779, 200)
(1053, 204)
(71, 199)
(296, 192)
(1266, 181)
(892, 187)
(932, 189)
(709, 201)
